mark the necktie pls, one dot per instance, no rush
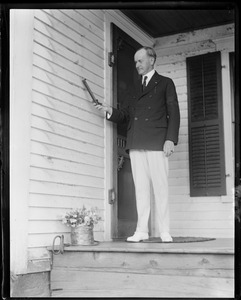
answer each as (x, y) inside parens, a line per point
(144, 83)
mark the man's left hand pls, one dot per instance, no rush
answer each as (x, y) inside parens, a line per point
(168, 148)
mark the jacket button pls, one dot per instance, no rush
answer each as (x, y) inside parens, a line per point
(135, 118)
(150, 96)
(149, 107)
(146, 119)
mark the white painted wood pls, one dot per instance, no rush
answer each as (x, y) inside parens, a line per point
(72, 74)
(40, 227)
(229, 137)
(214, 33)
(52, 163)
(67, 100)
(67, 189)
(202, 232)
(193, 206)
(81, 110)
(64, 118)
(97, 12)
(187, 269)
(62, 177)
(62, 202)
(65, 153)
(42, 240)
(85, 18)
(65, 130)
(73, 86)
(21, 53)
(172, 52)
(39, 260)
(67, 133)
(54, 214)
(67, 55)
(68, 28)
(124, 23)
(62, 141)
(187, 264)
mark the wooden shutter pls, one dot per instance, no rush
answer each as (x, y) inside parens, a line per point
(206, 143)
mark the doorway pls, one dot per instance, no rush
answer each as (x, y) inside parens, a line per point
(124, 74)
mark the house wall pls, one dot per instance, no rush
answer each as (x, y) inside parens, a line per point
(21, 52)
(67, 134)
(61, 148)
(63, 140)
(198, 216)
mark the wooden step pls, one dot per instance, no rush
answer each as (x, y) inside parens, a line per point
(137, 270)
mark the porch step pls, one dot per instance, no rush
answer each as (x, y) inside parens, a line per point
(120, 269)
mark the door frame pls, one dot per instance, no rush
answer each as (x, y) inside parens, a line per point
(121, 21)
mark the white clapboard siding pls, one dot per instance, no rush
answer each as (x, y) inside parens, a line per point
(42, 240)
(62, 141)
(66, 189)
(69, 76)
(46, 113)
(97, 12)
(199, 224)
(201, 200)
(57, 176)
(42, 49)
(66, 153)
(43, 124)
(38, 227)
(83, 113)
(82, 36)
(56, 164)
(67, 133)
(200, 216)
(43, 43)
(202, 232)
(62, 202)
(64, 83)
(86, 19)
(39, 213)
(67, 101)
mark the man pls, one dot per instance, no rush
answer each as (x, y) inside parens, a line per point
(153, 117)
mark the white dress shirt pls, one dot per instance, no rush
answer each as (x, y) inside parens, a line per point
(148, 75)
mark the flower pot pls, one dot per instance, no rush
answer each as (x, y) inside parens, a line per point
(82, 235)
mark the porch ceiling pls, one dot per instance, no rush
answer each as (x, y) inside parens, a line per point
(163, 22)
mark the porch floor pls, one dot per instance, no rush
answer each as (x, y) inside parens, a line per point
(217, 246)
(121, 269)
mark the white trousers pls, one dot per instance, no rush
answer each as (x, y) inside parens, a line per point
(150, 167)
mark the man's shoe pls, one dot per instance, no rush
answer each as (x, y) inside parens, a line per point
(166, 238)
(138, 237)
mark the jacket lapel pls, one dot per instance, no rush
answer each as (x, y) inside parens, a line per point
(151, 85)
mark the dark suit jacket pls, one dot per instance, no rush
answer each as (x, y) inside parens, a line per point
(153, 115)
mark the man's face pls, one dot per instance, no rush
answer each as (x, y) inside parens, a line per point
(144, 63)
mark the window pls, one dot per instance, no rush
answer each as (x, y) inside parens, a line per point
(206, 142)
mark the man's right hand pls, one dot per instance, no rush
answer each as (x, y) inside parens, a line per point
(104, 107)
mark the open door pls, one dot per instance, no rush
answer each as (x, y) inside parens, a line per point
(124, 74)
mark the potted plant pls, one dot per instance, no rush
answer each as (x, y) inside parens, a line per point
(81, 221)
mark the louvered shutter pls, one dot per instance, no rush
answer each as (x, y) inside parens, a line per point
(206, 145)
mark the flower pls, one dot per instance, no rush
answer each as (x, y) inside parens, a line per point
(81, 216)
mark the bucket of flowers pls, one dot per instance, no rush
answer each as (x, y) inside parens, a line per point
(82, 221)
